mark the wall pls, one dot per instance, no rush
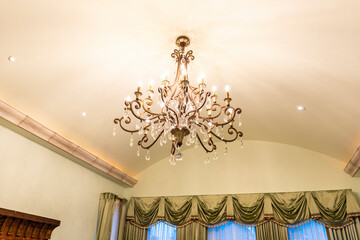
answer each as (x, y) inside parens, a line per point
(258, 167)
(39, 181)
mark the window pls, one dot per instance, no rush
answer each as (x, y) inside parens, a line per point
(308, 231)
(115, 221)
(161, 231)
(231, 231)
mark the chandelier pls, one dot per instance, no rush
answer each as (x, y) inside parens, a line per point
(180, 112)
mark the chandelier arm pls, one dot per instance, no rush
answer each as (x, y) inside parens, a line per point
(137, 106)
(212, 149)
(237, 111)
(146, 139)
(238, 134)
(127, 121)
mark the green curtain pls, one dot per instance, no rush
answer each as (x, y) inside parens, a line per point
(192, 231)
(271, 231)
(330, 207)
(350, 232)
(122, 215)
(105, 215)
(133, 232)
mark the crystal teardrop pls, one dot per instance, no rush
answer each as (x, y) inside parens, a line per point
(215, 155)
(147, 156)
(138, 151)
(131, 140)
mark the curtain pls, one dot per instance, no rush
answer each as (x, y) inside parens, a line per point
(161, 231)
(310, 231)
(105, 216)
(271, 231)
(192, 231)
(133, 232)
(350, 232)
(230, 231)
(122, 219)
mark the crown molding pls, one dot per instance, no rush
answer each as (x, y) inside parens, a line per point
(34, 127)
(354, 163)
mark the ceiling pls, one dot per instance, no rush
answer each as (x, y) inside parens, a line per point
(87, 56)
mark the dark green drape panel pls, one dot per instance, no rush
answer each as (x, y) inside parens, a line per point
(332, 207)
(191, 232)
(271, 231)
(351, 232)
(178, 210)
(146, 211)
(105, 215)
(290, 208)
(122, 219)
(134, 233)
(212, 209)
(248, 208)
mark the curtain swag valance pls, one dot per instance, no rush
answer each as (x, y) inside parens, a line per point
(334, 209)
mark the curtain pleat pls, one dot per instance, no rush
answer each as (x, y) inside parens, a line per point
(134, 233)
(271, 231)
(351, 232)
(105, 215)
(191, 232)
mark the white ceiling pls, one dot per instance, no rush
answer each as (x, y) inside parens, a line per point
(87, 56)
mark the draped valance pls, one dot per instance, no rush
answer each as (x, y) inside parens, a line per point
(333, 208)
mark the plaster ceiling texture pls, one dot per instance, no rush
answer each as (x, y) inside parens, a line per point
(87, 56)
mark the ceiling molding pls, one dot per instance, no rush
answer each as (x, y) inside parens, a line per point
(32, 126)
(354, 163)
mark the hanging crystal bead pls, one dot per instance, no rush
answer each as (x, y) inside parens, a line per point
(147, 156)
(226, 150)
(138, 151)
(208, 103)
(114, 131)
(217, 132)
(178, 157)
(207, 159)
(221, 135)
(242, 143)
(196, 143)
(215, 155)
(172, 160)
(240, 121)
(131, 140)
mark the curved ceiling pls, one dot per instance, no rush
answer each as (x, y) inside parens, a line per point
(87, 56)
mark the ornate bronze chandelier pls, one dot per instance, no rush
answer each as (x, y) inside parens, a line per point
(180, 113)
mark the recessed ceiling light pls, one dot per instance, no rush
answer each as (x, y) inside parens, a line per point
(12, 59)
(83, 114)
(300, 108)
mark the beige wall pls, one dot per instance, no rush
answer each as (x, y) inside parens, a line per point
(39, 181)
(259, 167)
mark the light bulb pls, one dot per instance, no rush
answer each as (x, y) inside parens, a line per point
(128, 98)
(227, 88)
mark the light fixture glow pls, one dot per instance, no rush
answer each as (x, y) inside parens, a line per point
(12, 59)
(300, 108)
